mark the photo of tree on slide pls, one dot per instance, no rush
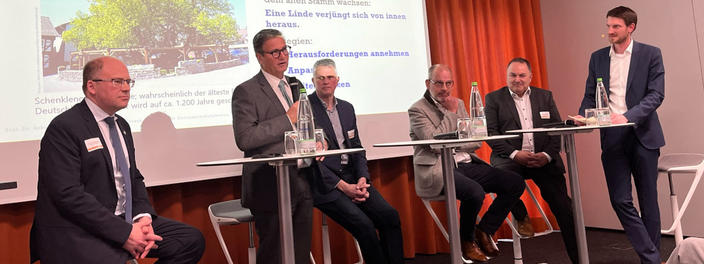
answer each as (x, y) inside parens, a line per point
(157, 39)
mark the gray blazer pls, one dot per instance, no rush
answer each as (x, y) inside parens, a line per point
(259, 122)
(426, 121)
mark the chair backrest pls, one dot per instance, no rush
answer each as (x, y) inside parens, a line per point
(699, 171)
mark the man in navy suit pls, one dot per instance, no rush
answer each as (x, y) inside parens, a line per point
(343, 191)
(535, 156)
(92, 205)
(634, 77)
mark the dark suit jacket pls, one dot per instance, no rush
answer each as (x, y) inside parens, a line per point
(76, 196)
(645, 90)
(259, 121)
(502, 116)
(324, 187)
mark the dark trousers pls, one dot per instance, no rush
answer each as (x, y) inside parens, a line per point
(267, 226)
(472, 180)
(553, 189)
(363, 220)
(623, 155)
(181, 243)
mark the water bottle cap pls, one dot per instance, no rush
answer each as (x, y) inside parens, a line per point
(302, 90)
(475, 83)
(599, 79)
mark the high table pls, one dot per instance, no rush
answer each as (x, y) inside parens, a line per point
(567, 135)
(448, 161)
(284, 198)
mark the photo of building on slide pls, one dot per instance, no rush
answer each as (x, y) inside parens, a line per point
(187, 41)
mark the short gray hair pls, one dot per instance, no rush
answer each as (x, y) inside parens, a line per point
(324, 62)
(436, 67)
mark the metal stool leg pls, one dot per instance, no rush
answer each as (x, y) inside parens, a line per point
(675, 210)
(251, 251)
(426, 203)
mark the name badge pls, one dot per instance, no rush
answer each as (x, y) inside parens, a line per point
(350, 134)
(93, 144)
(544, 115)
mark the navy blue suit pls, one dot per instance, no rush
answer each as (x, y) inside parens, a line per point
(633, 150)
(360, 219)
(74, 220)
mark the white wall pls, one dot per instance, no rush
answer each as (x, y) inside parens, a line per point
(573, 30)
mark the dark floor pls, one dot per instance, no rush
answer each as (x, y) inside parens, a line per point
(605, 247)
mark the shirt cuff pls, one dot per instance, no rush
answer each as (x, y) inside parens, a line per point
(513, 154)
(547, 155)
(134, 219)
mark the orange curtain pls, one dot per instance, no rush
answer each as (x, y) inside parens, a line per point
(476, 38)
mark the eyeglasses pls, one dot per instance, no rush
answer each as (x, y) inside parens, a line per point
(329, 77)
(439, 84)
(277, 53)
(117, 82)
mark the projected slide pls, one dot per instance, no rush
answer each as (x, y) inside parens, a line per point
(188, 56)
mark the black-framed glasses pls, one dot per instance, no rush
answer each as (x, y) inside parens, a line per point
(448, 84)
(118, 82)
(329, 78)
(277, 53)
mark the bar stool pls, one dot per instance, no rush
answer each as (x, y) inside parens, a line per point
(682, 163)
(517, 253)
(327, 259)
(232, 213)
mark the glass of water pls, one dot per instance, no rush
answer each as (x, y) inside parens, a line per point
(463, 127)
(290, 142)
(603, 116)
(319, 140)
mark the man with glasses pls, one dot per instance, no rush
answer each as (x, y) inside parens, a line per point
(92, 205)
(436, 113)
(263, 108)
(343, 192)
(535, 156)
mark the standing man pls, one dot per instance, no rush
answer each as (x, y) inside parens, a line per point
(533, 156)
(263, 108)
(92, 205)
(634, 77)
(436, 113)
(344, 192)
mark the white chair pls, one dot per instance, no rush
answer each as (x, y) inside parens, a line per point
(327, 259)
(680, 163)
(517, 253)
(232, 213)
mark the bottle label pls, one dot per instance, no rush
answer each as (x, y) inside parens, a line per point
(307, 146)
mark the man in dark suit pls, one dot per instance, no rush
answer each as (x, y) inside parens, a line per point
(535, 156)
(263, 108)
(92, 205)
(634, 77)
(343, 192)
(436, 113)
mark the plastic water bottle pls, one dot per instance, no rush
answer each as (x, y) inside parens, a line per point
(305, 125)
(603, 114)
(476, 113)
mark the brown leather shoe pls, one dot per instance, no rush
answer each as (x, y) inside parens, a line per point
(486, 243)
(525, 227)
(471, 251)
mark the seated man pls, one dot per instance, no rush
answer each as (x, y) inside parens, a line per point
(92, 205)
(437, 112)
(343, 191)
(534, 156)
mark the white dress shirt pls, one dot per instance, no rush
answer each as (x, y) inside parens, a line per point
(620, 63)
(525, 114)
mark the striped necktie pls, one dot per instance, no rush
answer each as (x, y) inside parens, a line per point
(282, 87)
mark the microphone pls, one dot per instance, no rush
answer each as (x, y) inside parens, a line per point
(448, 135)
(294, 83)
(565, 123)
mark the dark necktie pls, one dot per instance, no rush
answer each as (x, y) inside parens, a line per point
(121, 166)
(282, 87)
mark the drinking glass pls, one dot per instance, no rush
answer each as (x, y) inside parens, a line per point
(463, 127)
(603, 116)
(290, 142)
(590, 118)
(319, 140)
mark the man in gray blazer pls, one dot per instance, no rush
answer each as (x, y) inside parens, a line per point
(437, 112)
(263, 108)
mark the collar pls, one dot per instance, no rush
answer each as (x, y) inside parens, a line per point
(273, 79)
(334, 104)
(629, 49)
(515, 95)
(97, 112)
